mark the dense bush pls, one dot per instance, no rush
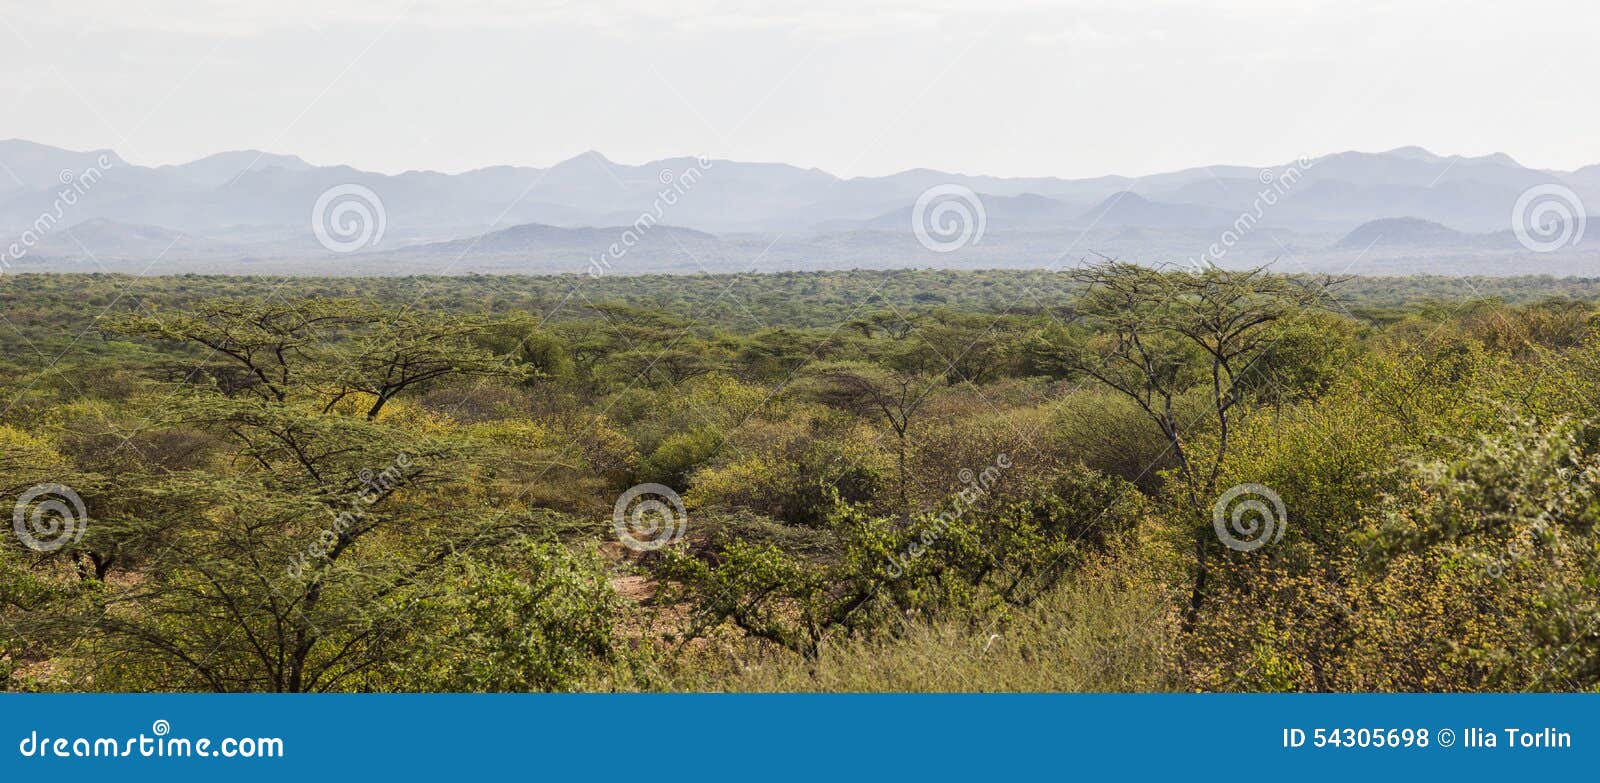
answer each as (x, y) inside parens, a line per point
(893, 480)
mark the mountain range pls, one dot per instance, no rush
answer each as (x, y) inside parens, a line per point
(1404, 210)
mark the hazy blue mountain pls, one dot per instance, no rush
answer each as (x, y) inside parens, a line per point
(27, 166)
(104, 241)
(1026, 212)
(1131, 209)
(224, 167)
(1401, 231)
(257, 205)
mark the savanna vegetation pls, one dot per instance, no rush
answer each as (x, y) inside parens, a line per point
(1108, 478)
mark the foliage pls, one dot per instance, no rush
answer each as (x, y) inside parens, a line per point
(895, 480)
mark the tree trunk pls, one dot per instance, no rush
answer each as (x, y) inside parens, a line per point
(1197, 591)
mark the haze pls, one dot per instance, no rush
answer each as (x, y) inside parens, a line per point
(1000, 87)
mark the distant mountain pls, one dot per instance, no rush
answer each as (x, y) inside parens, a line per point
(1401, 231)
(709, 214)
(25, 165)
(225, 167)
(1024, 212)
(536, 236)
(105, 241)
(1131, 209)
(590, 250)
(1417, 167)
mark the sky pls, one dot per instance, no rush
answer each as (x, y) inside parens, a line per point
(854, 87)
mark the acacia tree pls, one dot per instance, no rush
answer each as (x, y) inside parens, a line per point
(893, 397)
(324, 535)
(260, 347)
(333, 349)
(962, 348)
(892, 325)
(1161, 337)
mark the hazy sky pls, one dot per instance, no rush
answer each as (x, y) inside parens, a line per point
(1007, 87)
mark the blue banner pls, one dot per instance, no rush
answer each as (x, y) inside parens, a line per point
(796, 737)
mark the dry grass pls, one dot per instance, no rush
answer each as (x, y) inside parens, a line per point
(1098, 633)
